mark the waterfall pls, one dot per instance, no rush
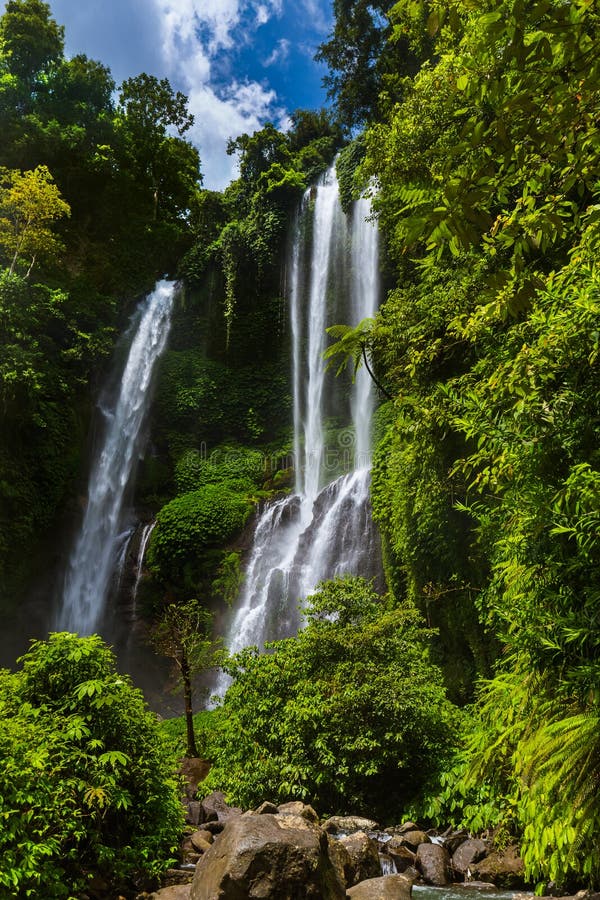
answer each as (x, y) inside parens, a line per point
(139, 566)
(95, 554)
(365, 301)
(325, 528)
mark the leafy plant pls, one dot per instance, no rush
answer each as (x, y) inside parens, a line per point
(86, 779)
(350, 713)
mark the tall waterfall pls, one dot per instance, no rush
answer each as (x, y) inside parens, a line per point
(95, 554)
(325, 528)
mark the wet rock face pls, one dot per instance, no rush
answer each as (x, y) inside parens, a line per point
(349, 825)
(434, 864)
(364, 858)
(467, 854)
(271, 857)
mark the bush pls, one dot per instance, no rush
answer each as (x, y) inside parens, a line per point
(191, 523)
(225, 463)
(349, 714)
(85, 776)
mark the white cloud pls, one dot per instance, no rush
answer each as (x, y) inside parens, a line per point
(192, 34)
(280, 53)
(242, 107)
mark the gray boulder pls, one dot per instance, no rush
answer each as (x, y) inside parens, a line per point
(364, 858)
(297, 808)
(402, 855)
(175, 892)
(503, 867)
(413, 839)
(454, 839)
(349, 824)
(467, 854)
(268, 857)
(391, 887)
(434, 864)
(216, 809)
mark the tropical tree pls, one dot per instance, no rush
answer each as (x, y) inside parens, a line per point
(148, 108)
(86, 782)
(350, 713)
(30, 40)
(183, 634)
(29, 203)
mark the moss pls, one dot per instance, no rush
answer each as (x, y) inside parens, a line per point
(193, 522)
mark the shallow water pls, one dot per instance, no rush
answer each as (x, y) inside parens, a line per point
(458, 892)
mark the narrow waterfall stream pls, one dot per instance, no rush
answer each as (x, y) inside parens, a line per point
(325, 528)
(100, 541)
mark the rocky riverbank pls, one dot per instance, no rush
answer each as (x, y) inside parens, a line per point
(285, 852)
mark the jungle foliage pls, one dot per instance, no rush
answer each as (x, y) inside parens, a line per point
(349, 715)
(86, 789)
(485, 483)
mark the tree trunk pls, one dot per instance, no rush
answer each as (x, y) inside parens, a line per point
(187, 695)
(370, 371)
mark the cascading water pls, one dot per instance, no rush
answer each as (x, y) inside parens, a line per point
(139, 566)
(326, 527)
(95, 554)
(365, 301)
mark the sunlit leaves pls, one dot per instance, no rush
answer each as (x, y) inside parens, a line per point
(30, 203)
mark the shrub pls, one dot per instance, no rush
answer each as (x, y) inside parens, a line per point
(349, 714)
(85, 776)
(192, 522)
(225, 463)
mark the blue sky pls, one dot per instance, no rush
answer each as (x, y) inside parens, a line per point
(241, 62)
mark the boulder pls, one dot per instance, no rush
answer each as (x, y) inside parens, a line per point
(194, 814)
(268, 857)
(176, 892)
(454, 839)
(402, 855)
(503, 867)
(433, 862)
(193, 770)
(199, 843)
(267, 808)
(216, 809)
(349, 824)
(469, 852)
(406, 826)
(413, 839)
(390, 887)
(364, 858)
(296, 808)
(199, 838)
(340, 859)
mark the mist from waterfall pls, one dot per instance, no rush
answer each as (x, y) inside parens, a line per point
(99, 543)
(325, 528)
